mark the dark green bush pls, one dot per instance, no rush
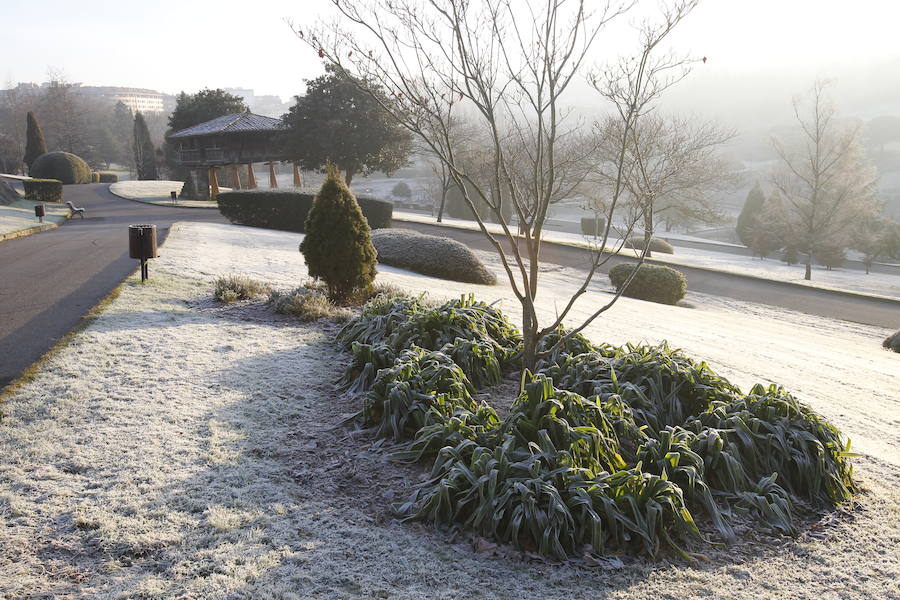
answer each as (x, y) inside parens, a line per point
(892, 342)
(43, 190)
(430, 255)
(609, 448)
(656, 244)
(593, 227)
(338, 246)
(106, 177)
(655, 283)
(63, 166)
(287, 210)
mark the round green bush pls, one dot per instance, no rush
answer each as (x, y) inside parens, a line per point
(656, 244)
(655, 283)
(892, 342)
(63, 166)
(430, 255)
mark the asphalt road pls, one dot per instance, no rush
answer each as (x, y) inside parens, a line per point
(50, 280)
(814, 301)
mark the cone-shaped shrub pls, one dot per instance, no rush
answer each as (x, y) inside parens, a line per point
(34, 140)
(338, 246)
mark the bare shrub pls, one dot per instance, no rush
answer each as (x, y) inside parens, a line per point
(430, 255)
(232, 288)
(307, 304)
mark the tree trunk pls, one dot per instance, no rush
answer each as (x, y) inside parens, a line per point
(348, 176)
(648, 229)
(808, 275)
(440, 215)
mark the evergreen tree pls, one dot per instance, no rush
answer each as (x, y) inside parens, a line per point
(34, 144)
(748, 221)
(144, 153)
(338, 247)
(337, 122)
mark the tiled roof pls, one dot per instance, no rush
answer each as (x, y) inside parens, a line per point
(244, 122)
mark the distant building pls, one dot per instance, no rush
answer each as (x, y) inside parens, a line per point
(137, 99)
(268, 105)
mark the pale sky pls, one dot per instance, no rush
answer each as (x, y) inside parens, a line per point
(174, 45)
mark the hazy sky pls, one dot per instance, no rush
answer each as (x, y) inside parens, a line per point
(174, 45)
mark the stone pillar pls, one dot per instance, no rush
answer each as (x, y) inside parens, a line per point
(213, 184)
(251, 178)
(298, 178)
(273, 183)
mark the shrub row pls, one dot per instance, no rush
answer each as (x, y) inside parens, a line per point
(593, 226)
(655, 283)
(106, 177)
(606, 449)
(430, 255)
(43, 190)
(63, 166)
(287, 210)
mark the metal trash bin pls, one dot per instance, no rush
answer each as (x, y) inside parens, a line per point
(142, 246)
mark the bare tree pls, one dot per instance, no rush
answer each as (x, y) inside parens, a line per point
(824, 179)
(509, 64)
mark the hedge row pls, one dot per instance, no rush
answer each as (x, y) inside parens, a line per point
(652, 282)
(106, 177)
(43, 190)
(287, 210)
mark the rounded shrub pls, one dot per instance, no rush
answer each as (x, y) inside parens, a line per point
(655, 283)
(106, 177)
(593, 226)
(656, 244)
(338, 247)
(63, 166)
(430, 255)
(892, 342)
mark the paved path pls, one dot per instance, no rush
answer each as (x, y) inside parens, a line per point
(815, 301)
(50, 280)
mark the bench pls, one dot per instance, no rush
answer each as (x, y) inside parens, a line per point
(75, 210)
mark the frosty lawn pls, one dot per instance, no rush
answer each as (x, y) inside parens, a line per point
(179, 448)
(20, 215)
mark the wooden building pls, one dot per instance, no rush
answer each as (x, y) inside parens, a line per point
(230, 142)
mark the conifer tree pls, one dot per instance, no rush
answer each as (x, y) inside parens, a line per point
(144, 153)
(338, 246)
(34, 143)
(748, 221)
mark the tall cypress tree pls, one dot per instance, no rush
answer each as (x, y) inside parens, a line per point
(338, 245)
(34, 140)
(144, 153)
(748, 221)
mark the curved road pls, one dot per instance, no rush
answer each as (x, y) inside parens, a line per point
(814, 301)
(50, 280)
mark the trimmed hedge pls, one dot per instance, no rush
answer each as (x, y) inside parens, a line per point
(63, 166)
(656, 244)
(106, 177)
(287, 210)
(95, 177)
(430, 255)
(593, 226)
(43, 190)
(655, 283)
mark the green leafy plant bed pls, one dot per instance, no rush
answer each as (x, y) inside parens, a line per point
(609, 449)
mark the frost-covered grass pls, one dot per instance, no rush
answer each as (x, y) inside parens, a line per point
(180, 448)
(20, 215)
(158, 192)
